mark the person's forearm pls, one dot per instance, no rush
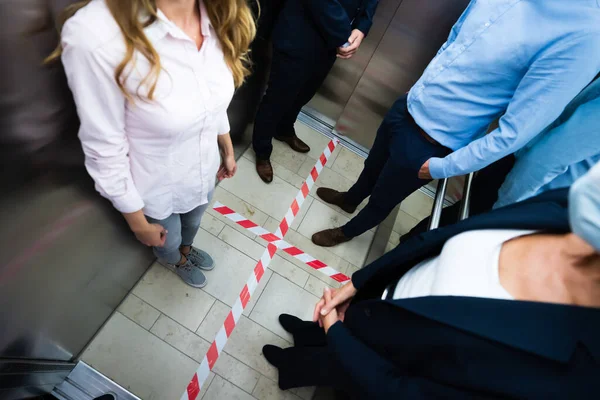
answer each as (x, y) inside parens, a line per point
(225, 145)
(137, 221)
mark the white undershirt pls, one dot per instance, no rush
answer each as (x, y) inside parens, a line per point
(467, 266)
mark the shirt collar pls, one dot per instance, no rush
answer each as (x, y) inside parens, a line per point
(163, 26)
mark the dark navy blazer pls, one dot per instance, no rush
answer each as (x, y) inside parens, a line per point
(465, 347)
(308, 27)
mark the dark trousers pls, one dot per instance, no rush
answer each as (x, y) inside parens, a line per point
(391, 169)
(310, 363)
(293, 81)
(484, 193)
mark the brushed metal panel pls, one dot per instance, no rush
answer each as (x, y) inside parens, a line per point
(417, 31)
(329, 102)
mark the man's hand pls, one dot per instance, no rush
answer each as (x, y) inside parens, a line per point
(355, 40)
(424, 171)
(340, 300)
(327, 321)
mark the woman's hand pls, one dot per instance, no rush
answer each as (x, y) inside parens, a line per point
(228, 168)
(339, 302)
(152, 235)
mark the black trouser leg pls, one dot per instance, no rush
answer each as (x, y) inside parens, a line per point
(310, 335)
(286, 80)
(308, 366)
(379, 154)
(286, 126)
(398, 178)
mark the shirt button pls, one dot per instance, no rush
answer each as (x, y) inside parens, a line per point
(441, 68)
(368, 312)
(487, 24)
(462, 48)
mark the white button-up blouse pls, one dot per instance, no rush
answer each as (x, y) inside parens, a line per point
(158, 155)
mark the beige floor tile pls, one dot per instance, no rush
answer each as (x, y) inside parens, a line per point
(239, 206)
(316, 286)
(418, 205)
(231, 272)
(344, 213)
(181, 338)
(267, 389)
(195, 347)
(348, 164)
(236, 372)
(316, 140)
(284, 155)
(166, 292)
(220, 389)
(139, 311)
(334, 180)
(246, 343)
(394, 237)
(404, 223)
(305, 393)
(278, 170)
(289, 271)
(214, 320)
(258, 292)
(212, 224)
(390, 246)
(243, 243)
(320, 217)
(308, 165)
(320, 253)
(303, 211)
(139, 361)
(273, 199)
(335, 154)
(206, 385)
(282, 296)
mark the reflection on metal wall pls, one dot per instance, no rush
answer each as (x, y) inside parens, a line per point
(67, 259)
(335, 92)
(416, 32)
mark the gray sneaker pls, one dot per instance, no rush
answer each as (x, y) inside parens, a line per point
(201, 259)
(189, 273)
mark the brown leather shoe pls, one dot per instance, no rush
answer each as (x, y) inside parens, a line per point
(265, 170)
(336, 198)
(330, 237)
(295, 143)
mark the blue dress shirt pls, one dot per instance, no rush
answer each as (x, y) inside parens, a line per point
(523, 60)
(565, 151)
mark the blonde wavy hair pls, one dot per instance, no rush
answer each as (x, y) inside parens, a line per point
(233, 21)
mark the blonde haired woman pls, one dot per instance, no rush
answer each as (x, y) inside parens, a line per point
(152, 80)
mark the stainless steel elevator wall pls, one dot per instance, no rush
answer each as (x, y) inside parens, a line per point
(67, 258)
(405, 36)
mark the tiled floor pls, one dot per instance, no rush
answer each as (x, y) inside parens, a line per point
(154, 342)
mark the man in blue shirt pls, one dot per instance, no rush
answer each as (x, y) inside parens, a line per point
(519, 60)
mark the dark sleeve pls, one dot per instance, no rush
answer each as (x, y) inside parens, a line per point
(331, 20)
(364, 20)
(371, 374)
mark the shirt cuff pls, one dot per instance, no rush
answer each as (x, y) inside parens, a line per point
(224, 127)
(130, 202)
(436, 168)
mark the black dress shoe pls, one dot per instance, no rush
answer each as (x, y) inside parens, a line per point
(295, 143)
(290, 323)
(274, 355)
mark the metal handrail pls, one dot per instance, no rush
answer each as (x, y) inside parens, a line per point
(436, 213)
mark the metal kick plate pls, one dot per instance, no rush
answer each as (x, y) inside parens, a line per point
(85, 383)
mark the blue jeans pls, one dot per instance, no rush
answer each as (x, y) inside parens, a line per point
(182, 231)
(391, 171)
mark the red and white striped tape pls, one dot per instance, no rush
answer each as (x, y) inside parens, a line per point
(195, 386)
(280, 243)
